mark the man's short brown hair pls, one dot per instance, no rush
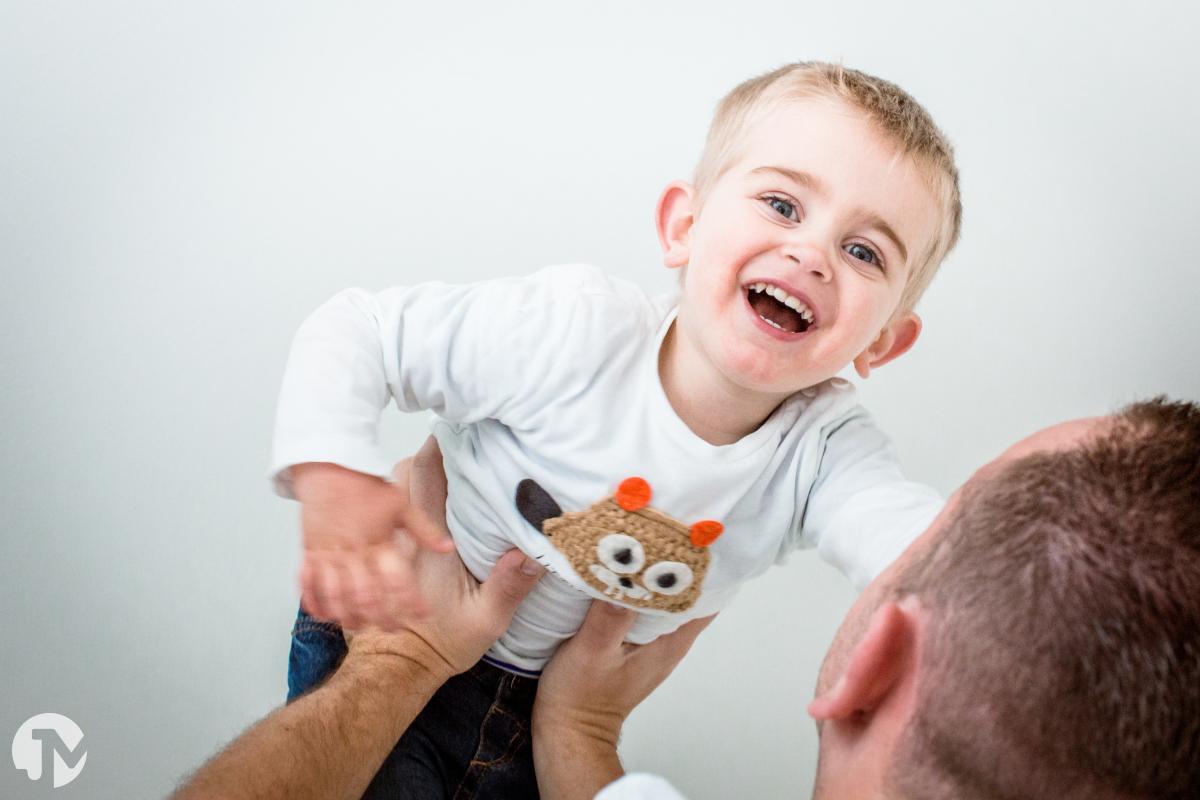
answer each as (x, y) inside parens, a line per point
(1064, 607)
(894, 113)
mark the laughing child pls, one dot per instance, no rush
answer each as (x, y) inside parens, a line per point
(655, 452)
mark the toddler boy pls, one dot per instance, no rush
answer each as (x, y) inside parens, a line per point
(655, 452)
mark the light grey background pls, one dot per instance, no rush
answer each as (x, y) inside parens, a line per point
(181, 183)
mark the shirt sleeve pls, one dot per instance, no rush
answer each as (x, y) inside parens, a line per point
(861, 511)
(496, 349)
(639, 786)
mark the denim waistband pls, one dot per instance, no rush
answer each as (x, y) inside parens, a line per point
(518, 690)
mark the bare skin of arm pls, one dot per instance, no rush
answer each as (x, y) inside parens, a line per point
(327, 744)
(331, 742)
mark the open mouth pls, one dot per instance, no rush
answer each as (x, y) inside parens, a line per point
(779, 309)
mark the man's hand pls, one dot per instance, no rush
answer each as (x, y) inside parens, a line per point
(328, 743)
(588, 690)
(466, 617)
(361, 537)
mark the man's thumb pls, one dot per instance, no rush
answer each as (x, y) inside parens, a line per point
(513, 577)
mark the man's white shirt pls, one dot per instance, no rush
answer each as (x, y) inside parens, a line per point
(639, 786)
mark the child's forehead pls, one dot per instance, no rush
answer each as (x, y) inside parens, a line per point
(809, 129)
(825, 147)
(826, 143)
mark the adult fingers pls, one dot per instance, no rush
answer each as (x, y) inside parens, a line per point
(674, 646)
(422, 508)
(427, 482)
(513, 577)
(605, 626)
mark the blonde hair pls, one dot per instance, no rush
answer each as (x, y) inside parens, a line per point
(894, 112)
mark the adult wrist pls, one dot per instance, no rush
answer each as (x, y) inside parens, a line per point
(581, 730)
(393, 670)
(573, 761)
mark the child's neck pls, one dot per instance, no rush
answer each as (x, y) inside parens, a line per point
(715, 409)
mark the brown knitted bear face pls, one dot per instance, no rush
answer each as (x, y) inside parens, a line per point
(625, 549)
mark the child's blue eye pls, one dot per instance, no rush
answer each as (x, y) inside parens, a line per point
(782, 207)
(862, 253)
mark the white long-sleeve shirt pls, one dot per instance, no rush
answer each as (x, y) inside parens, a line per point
(554, 377)
(639, 786)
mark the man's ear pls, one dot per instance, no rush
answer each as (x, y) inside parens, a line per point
(674, 217)
(877, 666)
(896, 339)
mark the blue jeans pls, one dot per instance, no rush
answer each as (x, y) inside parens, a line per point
(470, 741)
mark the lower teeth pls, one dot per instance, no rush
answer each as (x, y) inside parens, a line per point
(771, 322)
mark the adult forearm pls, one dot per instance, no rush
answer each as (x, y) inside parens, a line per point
(328, 743)
(572, 764)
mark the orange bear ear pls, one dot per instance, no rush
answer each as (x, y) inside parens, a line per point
(706, 532)
(633, 494)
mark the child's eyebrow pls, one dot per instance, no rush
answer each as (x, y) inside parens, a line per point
(875, 221)
(805, 179)
(813, 183)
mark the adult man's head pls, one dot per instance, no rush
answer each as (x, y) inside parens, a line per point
(1043, 638)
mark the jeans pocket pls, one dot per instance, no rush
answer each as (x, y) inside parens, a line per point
(318, 648)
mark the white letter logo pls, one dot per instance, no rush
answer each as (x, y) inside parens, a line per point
(49, 747)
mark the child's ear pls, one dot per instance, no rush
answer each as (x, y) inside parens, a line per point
(896, 338)
(674, 218)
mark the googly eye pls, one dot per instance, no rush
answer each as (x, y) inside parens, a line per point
(621, 553)
(667, 577)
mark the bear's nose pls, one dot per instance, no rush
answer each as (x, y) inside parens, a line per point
(628, 584)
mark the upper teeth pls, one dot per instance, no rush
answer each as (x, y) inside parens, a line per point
(788, 300)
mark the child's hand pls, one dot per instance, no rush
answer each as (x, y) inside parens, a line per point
(361, 536)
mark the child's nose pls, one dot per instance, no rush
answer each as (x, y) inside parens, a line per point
(812, 259)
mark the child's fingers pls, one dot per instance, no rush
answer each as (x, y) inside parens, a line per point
(409, 598)
(322, 600)
(309, 597)
(332, 592)
(362, 589)
(392, 573)
(410, 601)
(395, 583)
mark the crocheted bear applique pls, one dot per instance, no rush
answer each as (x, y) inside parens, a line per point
(624, 548)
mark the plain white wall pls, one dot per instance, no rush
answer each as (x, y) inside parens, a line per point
(181, 183)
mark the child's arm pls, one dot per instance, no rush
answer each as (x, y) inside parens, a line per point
(862, 512)
(499, 349)
(357, 570)
(359, 532)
